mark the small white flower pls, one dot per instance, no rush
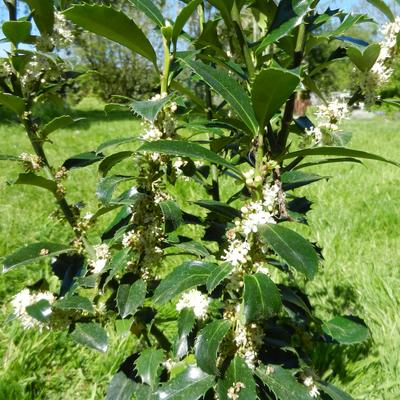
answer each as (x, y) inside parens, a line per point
(254, 214)
(102, 255)
(237, 252)
(233, 391)
(308, 381)
(152, 133)
(314, 392)
(195, 300)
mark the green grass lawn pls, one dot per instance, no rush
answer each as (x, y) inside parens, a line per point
(355, 218)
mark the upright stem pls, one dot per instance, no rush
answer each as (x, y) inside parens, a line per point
(167, 65)
(289, 109)
(39, 151)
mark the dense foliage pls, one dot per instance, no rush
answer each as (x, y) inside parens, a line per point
(212, 287)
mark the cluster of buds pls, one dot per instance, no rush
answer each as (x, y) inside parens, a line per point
(102, 255)
(196, 301)
(31, 162)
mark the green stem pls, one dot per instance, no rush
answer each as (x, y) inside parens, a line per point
(167, 66)
(289, 108)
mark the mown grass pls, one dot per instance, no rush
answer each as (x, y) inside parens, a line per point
(355, 219)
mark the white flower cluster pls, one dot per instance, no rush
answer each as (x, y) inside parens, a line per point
(195, 300)
(248, 339)
(102, 256)
(130, 239)
(62, 35)
(234, 390)
(24, 299)
(382, 69)
(313, 390)
(151, 133)
(329, 117)
(237, 252)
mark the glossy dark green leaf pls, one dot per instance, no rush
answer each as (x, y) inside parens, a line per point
(109, 162)
(92, 335)
(328, 161)
(55, 124)
(295, 179)
(364, 59)
(238, 371)
(333, 392)
(75, 303)
(270, 90)
(147, 366)
(118, 263)
(149, 109)
(287, 18)
(219, 208)
(115, 142)
(224, 7)
(230, 90)
(32, 253)
(183, 17)
(181, 148)
(189, 385)
(172, 215)
(35, 180)
(114, 25)
(17, 31)
(43, 15)
(107, 186)
(384, 8)
(14, 103)
(337, 151)
(193, 247)
(282, 383)
(261, 298)
(121, 388)
(82, 160)
(186, 322)
(218, 275)
(41, 310)
(345, 25)
(292, 247)
(131, 297)
(151, 11)
(346, 331)
(207, 345)
(186, 276)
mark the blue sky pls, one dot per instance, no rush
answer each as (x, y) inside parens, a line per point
(344, 4)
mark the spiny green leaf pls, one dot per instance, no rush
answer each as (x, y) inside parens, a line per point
(92, 335)
(229, 89)
(261, 298)
(333, 392)
(147, 366)
(32, 253)
(43, 15)
(82, 160)
(17, 31)
(270, 90)
(35, 180)
(238, 371)
(107, 186)
(150, 9)
(207, 345)
(186, 322)
(57, 123)
(115, 142)
(384, 8)
(364, 59)
(41, 310)
(345, 330)
(114, 25)
(189, 385)
(131, 297)
(218, 275)
(282, 383)
(149, 109)
(172, 215)
(292, 247)
(182, 148)
(295, 179)
(337, 151)
(121, 388)
(14, 103)
(74, 303)
(186, 276)
(183, 17)
(109, 162)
